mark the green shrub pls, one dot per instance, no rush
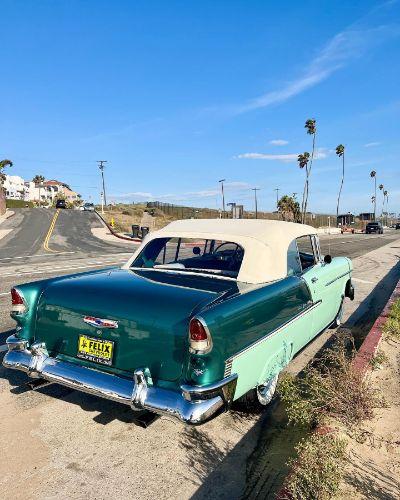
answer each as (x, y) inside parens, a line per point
(329, 388)
(18, 203)
(391, 329)
(318, 468)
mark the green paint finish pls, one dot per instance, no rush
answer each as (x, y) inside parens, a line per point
(256, 329)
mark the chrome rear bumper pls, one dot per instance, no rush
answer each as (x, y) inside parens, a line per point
(192, 405)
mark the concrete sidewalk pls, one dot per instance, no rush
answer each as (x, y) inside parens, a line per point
(4, 217)
(375, 276)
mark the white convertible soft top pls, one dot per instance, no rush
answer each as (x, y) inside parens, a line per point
(265, 242)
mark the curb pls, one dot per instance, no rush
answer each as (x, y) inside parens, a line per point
(362, 360)
(361, 363)
(7, 215)
(133, 240)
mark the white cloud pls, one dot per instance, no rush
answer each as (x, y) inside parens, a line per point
(344, 47)
(371, 144)
(290, 157)
(232, 186)
(278, 142)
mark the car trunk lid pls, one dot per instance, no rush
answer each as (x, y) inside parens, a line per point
(144, 314)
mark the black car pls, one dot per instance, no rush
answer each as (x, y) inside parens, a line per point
(374, 227)
(397, 226)
(61, 204)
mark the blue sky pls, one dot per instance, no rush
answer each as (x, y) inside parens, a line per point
(177, 95)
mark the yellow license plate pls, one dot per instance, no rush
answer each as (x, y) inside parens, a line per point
(97, 350)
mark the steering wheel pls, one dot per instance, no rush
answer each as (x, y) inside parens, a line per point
(231, 255)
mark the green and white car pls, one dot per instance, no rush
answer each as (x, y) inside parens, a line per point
(205, 311)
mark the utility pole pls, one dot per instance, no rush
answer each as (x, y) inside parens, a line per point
(255, 199)
(277, 196)
(101, 167)
(223, 196)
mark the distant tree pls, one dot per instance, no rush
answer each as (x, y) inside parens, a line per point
(311, 127)
(340, 153)
(3, 165)
(373, 175)
(303, 160)
(381, 188)
(386, 195)
(289, 209)
(38, 179)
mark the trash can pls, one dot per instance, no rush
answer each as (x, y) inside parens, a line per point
(135, 231)
(145, 230)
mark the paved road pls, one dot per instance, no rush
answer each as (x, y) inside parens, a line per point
(68, 444)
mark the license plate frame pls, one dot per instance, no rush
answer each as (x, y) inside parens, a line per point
(94, 348)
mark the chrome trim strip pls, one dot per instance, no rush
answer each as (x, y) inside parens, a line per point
(274, 332)
(337, 278)
(192, 404)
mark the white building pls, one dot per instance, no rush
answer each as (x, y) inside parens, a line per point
(14, 187)
(18, 189)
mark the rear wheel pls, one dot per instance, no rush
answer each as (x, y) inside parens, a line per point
(339, 317)
(256, 399)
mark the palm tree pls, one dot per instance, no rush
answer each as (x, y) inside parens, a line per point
(340, 153)
(38, 180)
(386, 195)
(3, 165)
(381, 188)
(303, 160)
(289, 208)
(311, 127)
(373, 175)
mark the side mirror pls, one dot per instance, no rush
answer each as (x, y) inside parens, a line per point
(327, 259)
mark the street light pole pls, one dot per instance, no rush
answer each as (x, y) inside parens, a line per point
(223, 196)
(277, 196)
(101, 167)
(255, 199)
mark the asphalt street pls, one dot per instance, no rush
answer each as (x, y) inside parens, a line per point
(38, 248)
(67, 444)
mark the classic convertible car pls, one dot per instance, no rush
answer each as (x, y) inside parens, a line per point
(205, 312)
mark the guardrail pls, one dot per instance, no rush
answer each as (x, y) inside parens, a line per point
(126, 238)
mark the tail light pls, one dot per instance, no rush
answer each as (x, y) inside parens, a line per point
(18, 304)
(200, 341)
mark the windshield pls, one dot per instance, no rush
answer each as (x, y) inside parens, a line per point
(192, 255)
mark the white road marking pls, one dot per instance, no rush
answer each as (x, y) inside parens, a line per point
(50, 270)
(37, 255)
(5, 293)
(362, 281)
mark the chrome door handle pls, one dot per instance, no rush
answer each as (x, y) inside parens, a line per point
(314, 280)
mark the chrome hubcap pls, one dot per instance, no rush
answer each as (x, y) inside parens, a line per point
(265, 392)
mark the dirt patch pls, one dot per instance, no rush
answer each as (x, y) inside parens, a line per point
(374, 452)
(23, 452)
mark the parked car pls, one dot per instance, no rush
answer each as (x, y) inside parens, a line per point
(397, 226)
(374, 227)
(61, 204)
(203, 313)
(88, 207)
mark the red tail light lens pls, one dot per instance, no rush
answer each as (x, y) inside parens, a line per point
(16, 297)
(199, 337)
(17, 302)
(197, 331)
